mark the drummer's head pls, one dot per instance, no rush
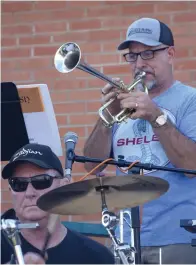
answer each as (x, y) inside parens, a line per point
(39, 165)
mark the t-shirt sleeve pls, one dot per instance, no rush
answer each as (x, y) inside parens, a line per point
(187, 124)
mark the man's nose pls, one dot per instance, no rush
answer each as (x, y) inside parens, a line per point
(30, 191)
(140, 63)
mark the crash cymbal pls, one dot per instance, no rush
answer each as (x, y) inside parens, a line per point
(84, 197)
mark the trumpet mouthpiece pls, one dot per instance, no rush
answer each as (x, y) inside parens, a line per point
(140, 74)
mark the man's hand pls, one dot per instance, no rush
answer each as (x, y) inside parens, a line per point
(144, 107)
(109, 92)
(33, 258)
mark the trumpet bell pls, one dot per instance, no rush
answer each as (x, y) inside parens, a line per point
(67, 57)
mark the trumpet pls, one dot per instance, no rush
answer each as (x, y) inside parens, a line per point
(68, 57)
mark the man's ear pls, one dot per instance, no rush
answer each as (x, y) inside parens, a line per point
(171, 54)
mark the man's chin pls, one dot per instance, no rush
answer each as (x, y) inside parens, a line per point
(33, 213)
(150, 84)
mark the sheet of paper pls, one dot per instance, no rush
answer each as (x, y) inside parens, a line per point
(39, 116)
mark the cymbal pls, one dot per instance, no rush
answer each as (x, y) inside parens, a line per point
(84, 197)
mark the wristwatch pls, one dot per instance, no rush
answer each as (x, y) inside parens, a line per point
(160, 120)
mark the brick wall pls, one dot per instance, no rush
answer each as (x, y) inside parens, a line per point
(33, 30)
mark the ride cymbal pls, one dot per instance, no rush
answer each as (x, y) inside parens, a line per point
(84, 197)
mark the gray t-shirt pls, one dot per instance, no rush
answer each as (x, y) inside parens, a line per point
(135, 140)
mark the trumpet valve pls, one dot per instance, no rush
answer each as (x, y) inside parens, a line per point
(122, 86)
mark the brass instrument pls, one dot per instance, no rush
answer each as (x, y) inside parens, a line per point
(68, 57)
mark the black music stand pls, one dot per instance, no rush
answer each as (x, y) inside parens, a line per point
(13, 129)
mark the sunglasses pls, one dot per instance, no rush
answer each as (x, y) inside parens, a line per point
(39, 182)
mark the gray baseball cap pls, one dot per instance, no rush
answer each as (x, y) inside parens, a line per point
(148, 31)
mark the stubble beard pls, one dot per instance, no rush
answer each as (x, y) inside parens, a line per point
(149, 84)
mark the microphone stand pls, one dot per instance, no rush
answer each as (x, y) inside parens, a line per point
(123, 163)
(135, 215)
(11, 227)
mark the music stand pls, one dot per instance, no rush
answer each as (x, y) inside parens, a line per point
(13, 129)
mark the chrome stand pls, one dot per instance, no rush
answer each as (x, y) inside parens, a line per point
(123, 253)
(122, 215)
(134, 218)
(12, 227)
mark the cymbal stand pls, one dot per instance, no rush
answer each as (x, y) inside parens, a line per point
(106, 219)
(134, 216)
(12, 228)
(190, 226)
(193, 243)
(122, 218)
(135, 224)
(123, 252)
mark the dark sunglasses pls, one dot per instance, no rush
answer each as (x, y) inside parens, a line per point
(39, 182)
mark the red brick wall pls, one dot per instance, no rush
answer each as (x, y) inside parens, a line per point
(33, 30)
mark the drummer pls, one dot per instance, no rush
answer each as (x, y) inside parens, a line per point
(33, 171)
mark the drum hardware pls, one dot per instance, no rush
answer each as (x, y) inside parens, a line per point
(129, 191)
(12, 229)
(123, 252)
(160, 255)
(68, 57)
(190, 226)
(193, 243)
(122, 219)
(134, 217)
(115, 193)
(83, 197)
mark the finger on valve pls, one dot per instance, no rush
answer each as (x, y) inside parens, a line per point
(108, 96)
(109, 87)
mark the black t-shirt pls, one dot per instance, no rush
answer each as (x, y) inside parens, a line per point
(74, 249)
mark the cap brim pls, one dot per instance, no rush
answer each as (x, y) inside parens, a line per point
(9, 168)
(125, 44)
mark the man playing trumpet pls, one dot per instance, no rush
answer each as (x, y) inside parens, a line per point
(161, 131)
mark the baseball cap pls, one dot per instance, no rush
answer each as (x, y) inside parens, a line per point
(37, 154)
(148, 31)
